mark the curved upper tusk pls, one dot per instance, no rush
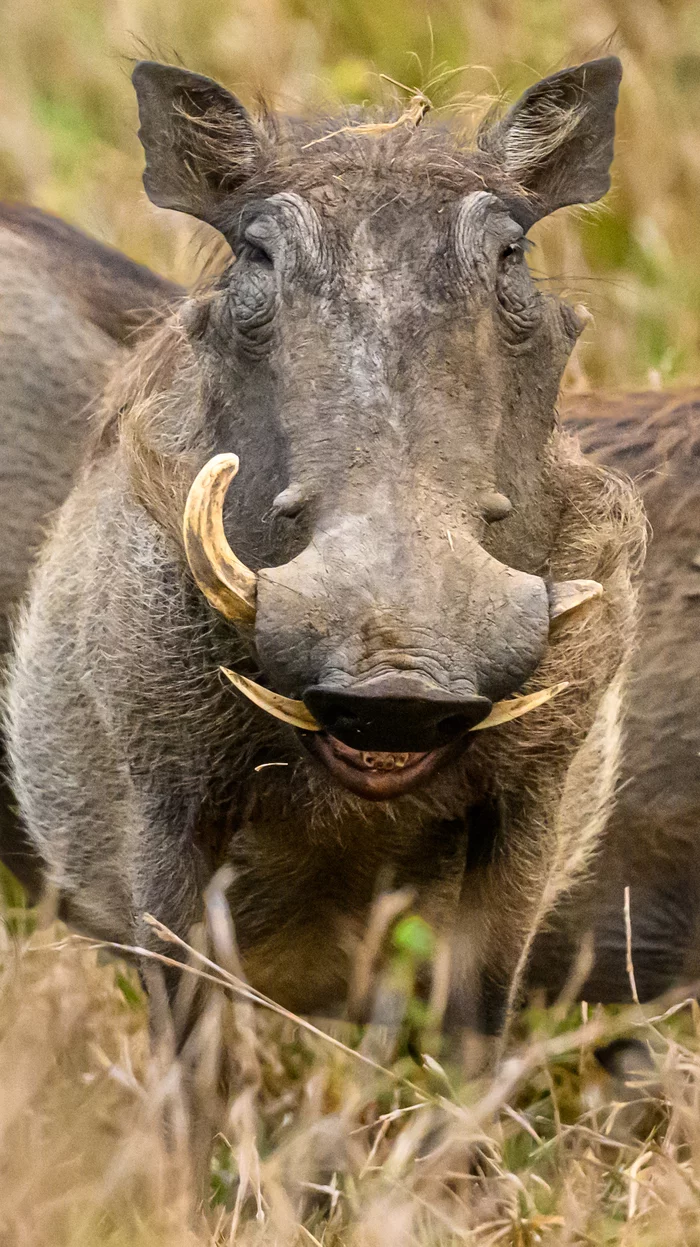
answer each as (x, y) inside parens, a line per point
(566, 595)
(227, 583)
(284, 708)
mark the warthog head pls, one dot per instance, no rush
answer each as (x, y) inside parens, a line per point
(382, 363)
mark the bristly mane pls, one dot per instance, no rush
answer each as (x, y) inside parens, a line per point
(310, 155)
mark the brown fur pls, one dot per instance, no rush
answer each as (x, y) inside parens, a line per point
(652, 841)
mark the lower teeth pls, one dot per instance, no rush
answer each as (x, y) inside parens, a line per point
(384, 761)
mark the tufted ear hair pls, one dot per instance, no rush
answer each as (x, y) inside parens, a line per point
(556, 142)
(200, 142)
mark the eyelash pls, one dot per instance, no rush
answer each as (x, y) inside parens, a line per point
(516, 249)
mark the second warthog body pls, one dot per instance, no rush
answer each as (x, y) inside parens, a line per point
(652, 840)
(69, 308)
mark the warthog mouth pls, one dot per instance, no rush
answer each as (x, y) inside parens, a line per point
(375, 774)
(380, 775)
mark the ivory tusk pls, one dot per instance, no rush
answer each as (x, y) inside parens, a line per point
(296, 715)
(284, 708)
(566, 595)
(226, 583)
(515, 707)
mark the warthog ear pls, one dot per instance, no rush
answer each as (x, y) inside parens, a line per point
(199, 141)
(556, 142)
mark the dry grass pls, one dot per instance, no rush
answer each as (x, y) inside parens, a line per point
(317, 1144)
(333, 1138)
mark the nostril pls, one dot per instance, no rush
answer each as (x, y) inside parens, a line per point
(395, 714)
(451, 727)
(337, 722)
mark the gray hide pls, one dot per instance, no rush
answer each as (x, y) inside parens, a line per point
(68, 310)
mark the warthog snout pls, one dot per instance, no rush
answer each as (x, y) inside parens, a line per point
(395, 712)
(384, 702)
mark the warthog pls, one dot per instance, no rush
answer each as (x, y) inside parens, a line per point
(68, 309)
(412, 532)
(652, 839)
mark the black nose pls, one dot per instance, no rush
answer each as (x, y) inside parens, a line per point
(395, 713)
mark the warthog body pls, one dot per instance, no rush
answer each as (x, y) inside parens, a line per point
(68, 310)
(652, 842)
(386, 369)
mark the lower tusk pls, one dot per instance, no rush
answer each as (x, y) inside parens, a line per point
(284, 708)
(566, 595)
(296, 715)
(515, 707)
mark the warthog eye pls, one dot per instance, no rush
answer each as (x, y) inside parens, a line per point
(252, 292)
(514, 250)
(518, 297)
(257, 255)
(255, 248)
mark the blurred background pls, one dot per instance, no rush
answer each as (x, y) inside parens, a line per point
(68, 128)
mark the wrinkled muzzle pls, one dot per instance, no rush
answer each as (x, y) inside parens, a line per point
(397, 644)
(398, 648)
